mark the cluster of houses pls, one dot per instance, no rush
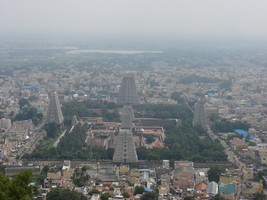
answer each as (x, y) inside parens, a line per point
(185, 179)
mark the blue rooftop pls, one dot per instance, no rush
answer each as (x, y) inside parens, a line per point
(144, 170)
(148, 190)
(229, 188)
(244, 133)
(30, 87)
(241, 132)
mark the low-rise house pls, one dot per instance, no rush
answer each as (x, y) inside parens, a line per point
(228, 190)
(201, 175)
(108, 176)
(201, 187)
(251, 188)
(164, 187)
(83, 190)
(55, 179)
(183, 175)
(248, 173)
(228, 179)
(95, 197)
(238, 143)
(263, 156)
(134, 176)
(212, 189)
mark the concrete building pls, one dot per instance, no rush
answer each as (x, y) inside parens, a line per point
(5, 123)
(166, 164)
(228, 190)
(263, 156)
(165, 184)
(183, 175)
(212, 189)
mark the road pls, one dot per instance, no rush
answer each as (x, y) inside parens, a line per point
(232, 157)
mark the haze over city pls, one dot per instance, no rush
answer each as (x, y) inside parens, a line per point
(133, 99)
(239, 19)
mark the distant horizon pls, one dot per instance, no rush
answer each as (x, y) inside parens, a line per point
(55, 37)
(133, 20)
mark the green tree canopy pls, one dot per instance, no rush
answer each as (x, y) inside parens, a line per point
(29, 113)
(149, 196)
(139, 190)
(177, 97)
(125, 195)
(1, 115)
(224, 125)
(259, 196)
(189, 198)
(214, 174)
(24, 103)
(80, 178)
(105, 196)
(51, 129)
(93, 191)
(18, 188)
(65, 194)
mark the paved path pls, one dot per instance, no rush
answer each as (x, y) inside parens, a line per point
(59, 138)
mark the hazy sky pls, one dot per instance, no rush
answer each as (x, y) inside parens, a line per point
(155, 18)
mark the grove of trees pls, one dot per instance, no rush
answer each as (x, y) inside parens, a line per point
(28, 112)
(184, 143)
(223, 125)
(52, 129)
(17, 188)
(88, 108)
(65, 194)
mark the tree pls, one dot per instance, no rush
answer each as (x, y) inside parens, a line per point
(45, 169)
(105, 196)
(18, 188)
(149, 138)
(40, 178)
(1, 115)
(65, 194)
(24, 103)
(80, 178)
(125, 194)
(214, 117)
(139, 190)
(200, 130)
(33, 98)
(29, 113)
(51, 129)
(189, 198)
(2, 168)
(259, 196)
(149, 196)
(225, 84)
(93, 191)
(177, 97)
(214, 174)
(84, 168)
